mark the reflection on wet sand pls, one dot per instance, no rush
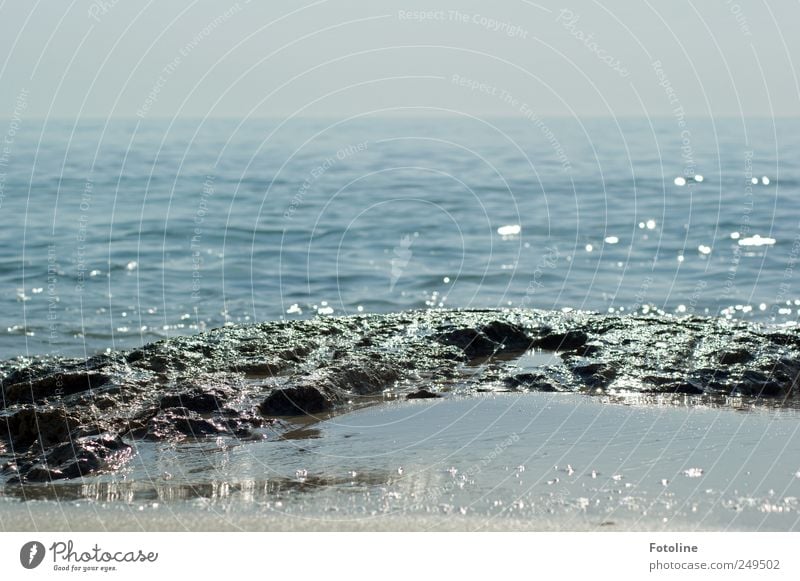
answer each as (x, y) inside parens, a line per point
(247, 491)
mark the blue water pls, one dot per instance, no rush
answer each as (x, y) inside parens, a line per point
(120, 233)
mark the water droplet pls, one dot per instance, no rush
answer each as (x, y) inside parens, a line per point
(693, 472)
(589, 248)
(765, 180)
(611, 239)
(680, 181)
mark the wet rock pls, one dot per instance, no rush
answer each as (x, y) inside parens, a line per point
(531, 381)
(510, 338)
(595, 375)
(423, 394)
(177, 423)
(677, 387)
(47, 426)
(568, 341)
(494, 338)
(202, 386)
(757, 384)
(39, 389)
(196, 400)
(80, 457)
(363, 377)
(471, 341)
(735, 357)
(295, 401)
(260, 368)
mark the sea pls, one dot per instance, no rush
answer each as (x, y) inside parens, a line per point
(120, 232)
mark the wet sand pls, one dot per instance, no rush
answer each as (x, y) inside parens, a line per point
(529, 461)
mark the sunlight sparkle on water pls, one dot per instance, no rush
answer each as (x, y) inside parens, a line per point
(509, 230)
(757, 240)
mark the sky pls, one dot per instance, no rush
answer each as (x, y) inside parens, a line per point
(338, 58)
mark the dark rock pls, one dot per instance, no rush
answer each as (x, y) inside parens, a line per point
(595, 374)
(195, 400)
(39, 389)
(737, 356)
(198, 386)
(81, 457)
(677, 387)
(48, 426)
(423, 394)
(176, 423)
(531, 381)
(295, 401)
(471, 341)
(511, 338)
(757, 384)
(491, 339)
(568, 341)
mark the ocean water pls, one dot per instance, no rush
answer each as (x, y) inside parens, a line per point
(123, 232)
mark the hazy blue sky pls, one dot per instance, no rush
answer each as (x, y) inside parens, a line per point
(332, 58)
